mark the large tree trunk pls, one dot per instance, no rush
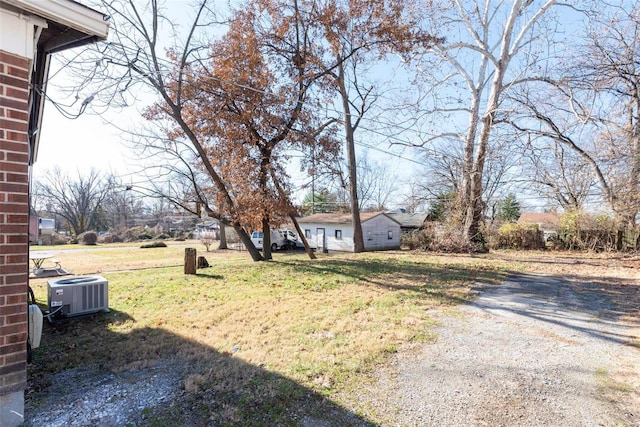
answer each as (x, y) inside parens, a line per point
(635, 167)
(266, 239)
(358, 240)
(474, 209)
(466, 195)
(223, 236)
(307, 248)
(245, 238)
(471, 191)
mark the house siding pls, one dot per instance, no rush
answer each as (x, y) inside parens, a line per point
(345, 243)
(332, 243)
(14, 224)
(375, 233)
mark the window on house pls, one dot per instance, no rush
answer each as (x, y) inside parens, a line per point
(369, 235)
(307, 233)
(390, 234)
(339, 234)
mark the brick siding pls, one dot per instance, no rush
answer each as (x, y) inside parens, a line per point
(14, 220)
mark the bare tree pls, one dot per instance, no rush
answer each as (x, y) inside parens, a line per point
(415, 198)
(559, 173)
(79, 201)
(171, 174)
(121, 206)
(591, 107)
(491, 47)
(443, 173)
(377, 183)
(609, 74)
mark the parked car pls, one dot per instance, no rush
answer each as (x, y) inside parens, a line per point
(280, 239)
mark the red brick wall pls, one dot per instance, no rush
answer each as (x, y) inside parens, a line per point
(14, 223)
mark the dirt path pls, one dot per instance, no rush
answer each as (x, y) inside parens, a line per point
(536, 351)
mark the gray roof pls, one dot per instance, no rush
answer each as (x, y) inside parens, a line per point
(409, 219)
(339, 218)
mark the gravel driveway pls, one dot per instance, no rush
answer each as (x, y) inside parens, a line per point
(536, 351)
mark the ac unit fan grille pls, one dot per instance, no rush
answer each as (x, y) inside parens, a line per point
(93, 296)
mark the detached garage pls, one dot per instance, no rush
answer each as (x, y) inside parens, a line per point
(334, 232)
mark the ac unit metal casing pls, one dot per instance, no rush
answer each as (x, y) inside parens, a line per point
(78, 295)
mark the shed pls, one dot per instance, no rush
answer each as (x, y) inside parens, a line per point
(334, 231)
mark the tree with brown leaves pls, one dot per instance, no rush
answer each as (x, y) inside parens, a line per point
(250, 105)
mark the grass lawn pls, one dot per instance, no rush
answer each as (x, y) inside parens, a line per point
(256, 343)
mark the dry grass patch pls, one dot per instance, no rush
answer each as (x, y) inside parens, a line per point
(79, 259)
(260, 337)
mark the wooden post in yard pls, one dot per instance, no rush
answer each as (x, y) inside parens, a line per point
(189, 261)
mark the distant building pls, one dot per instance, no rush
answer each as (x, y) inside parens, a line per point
(34, 233)
(334, 231)
(548, 222)
(207, 229)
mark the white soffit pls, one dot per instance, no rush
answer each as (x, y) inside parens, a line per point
(12, 25)
(69, 13)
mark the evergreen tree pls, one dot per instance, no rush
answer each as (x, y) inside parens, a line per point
(509, 209)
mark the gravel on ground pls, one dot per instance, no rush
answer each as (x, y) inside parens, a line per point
(535, 351)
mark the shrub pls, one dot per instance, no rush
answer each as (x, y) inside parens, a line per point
(207, 238)
(154, 245)
(447, 235)
(55, 239)
(439, 238)
(417, 240)
(454, 242)
(109, 238)
(162, 236)
(89, 238)
(519, 236)
(137, 233)
(176, 234)
(582, 231)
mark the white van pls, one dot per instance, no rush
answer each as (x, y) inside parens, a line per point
(280, 239)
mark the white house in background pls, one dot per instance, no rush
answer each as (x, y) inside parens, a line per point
(548, 223)
(334, 232)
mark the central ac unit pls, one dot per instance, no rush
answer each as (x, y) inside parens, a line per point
(75, 296)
